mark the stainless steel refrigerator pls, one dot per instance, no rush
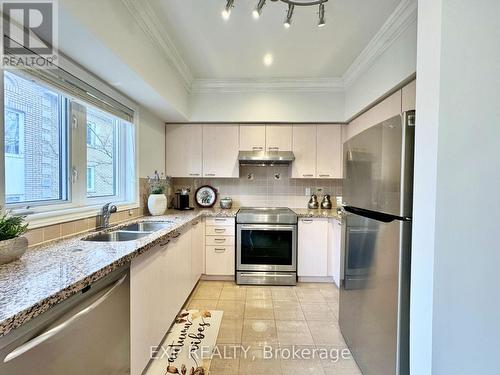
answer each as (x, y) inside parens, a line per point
(377, 197)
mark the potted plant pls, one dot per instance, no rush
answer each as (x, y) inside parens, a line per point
(12, 243)
(157, 201)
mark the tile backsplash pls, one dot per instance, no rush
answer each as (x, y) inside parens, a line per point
(264, 187)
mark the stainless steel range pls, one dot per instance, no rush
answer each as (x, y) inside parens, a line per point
(266, 246)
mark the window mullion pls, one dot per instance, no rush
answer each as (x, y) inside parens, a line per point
(78, 176)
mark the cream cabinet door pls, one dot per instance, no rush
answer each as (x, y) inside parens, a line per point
(183, 150)
(304, 149)
(279, 137)
(329, 151)
(312, 248)
(252, 137)
(220, 150)
(197, 251)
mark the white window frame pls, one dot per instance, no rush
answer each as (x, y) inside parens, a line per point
(77, 206)
(91, 186)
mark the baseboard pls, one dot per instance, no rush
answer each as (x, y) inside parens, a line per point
(218, 277)
(314, 279)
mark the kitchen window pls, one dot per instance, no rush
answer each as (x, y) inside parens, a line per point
(64, 148)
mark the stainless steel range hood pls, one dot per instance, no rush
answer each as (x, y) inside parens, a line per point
(265, 158)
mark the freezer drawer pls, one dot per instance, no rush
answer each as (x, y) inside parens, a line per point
(87, 334)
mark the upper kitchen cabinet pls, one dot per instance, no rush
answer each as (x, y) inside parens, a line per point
(304, 149)
(252, 137)
(279, 137)
(184, 150)
(220, 150)
(329, 151)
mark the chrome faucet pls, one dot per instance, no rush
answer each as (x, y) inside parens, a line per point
(106, 212)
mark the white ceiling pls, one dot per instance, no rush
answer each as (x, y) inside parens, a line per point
(214, 48)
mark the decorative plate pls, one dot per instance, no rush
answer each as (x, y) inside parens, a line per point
(205, 196)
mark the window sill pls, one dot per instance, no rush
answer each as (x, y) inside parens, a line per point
(44, 219)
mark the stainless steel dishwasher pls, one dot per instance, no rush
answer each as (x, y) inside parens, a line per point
(89, 333)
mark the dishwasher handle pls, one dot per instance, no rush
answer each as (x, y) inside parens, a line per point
(20, 350)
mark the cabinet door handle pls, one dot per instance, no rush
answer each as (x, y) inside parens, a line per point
(307, 175)
(307, 221)
(219, 230)
(220, 240)
(220, 220)
(194, 174)
(324, 175)
(257, 148)
(210, 174)
(220, 250)
(273, 148)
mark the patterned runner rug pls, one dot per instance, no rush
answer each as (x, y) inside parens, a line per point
(189, 344)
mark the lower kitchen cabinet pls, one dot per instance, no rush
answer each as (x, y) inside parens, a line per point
(219, 246)
(312, 248)
(197, 251)
(335, 251)
(160, 282)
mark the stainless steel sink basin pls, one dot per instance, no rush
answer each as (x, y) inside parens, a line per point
(116, 236)
(151, 226)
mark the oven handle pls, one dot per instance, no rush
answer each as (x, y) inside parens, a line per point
(273, 275)
(276, 227)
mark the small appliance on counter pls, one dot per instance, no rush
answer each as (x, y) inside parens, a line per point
(181, 200)
(313, 202)
(326, 203)
(226, 203)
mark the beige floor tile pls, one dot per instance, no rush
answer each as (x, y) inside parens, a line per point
(300, 367)
(318, 311)
(231, 309)
(223, 366)
(293, 333)
(341, 367)
(230, 331)
(259, 361)
(259, 293)
(287, 310)
(259, 330)
(259, 309)
(207, 292)
(202, 304)
(330, 295)
(310, 296)
(212, 283)
(326, 333)
(283, 294)
(334, 306)
(233, 294)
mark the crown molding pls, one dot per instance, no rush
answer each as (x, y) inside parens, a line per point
(397, 23)
(202, 86)
(148, 21)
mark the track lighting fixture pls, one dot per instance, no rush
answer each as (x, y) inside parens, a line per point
(258, 9)
(289, 14)
(226, 12)
(321, 22)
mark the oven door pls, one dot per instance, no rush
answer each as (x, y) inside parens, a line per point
(266, 247)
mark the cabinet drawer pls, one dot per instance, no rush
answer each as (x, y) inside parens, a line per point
(219, 240)
(220, 221)
(219, 260)
(219, 231)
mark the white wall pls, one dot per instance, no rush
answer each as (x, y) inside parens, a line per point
(102, 36)
(151, 144)
(275, 106)
(395, 65)
(456, 257)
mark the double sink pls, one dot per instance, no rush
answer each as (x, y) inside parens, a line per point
(129, 232)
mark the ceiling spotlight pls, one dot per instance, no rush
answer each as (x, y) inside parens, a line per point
(322, 21)
(289, 14)
(258, 9)
(226, 12)
(268, 59)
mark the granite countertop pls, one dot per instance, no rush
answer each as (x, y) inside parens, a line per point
(50, 273)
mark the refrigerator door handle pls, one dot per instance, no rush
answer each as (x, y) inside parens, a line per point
(374, 215)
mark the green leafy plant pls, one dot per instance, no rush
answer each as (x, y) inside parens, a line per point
(158, 183)
(12, 226)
